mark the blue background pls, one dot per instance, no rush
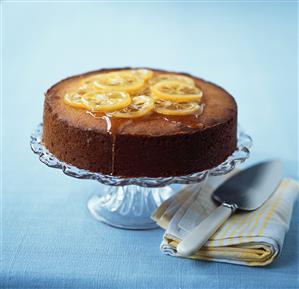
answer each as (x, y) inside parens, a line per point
(49, 240)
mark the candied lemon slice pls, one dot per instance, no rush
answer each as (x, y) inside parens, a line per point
(176, 91)
(144, 73)
(165, 76)
(106, 100)
(176, 108)
(140, 106)
(120, 81)
(74, 99)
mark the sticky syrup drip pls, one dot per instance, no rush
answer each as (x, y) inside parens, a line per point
(113, 153)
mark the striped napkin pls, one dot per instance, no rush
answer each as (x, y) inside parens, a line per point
(247, 238)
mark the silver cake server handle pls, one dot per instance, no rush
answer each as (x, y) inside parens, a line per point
(202, 232)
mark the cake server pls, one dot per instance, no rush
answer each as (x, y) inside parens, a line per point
(247, 190)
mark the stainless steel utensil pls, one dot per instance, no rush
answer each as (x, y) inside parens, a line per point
(247, 190)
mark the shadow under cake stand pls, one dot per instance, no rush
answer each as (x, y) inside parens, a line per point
(129, 202)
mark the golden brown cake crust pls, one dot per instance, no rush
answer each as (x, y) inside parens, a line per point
(151, 146)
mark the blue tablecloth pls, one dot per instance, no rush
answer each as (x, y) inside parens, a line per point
(49, 239)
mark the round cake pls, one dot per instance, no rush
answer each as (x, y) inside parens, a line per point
(139, 122)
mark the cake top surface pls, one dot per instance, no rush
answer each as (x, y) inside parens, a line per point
(140, 101)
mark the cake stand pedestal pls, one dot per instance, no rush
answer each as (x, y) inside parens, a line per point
(129, 202)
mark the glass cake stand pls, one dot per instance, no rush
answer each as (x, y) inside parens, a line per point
(129, 202)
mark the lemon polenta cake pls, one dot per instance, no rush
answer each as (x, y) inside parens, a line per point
(138, 122)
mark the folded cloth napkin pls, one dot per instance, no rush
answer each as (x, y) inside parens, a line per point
(246, 238)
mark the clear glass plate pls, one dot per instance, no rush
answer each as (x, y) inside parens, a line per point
(128, 202)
